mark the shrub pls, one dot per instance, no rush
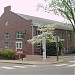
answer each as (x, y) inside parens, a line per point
(72, 49)
(7, 54)
(51, 48)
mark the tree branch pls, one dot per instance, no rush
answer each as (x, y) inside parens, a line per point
(65, 13)
(69, 7)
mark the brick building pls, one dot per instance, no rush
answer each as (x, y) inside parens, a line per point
(16, 29)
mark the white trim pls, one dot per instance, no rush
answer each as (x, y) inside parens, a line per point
(19, 47)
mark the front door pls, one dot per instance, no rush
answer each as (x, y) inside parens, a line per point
(19, 47)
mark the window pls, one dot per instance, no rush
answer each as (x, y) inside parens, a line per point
(6, 44)
(69, 36)
(19, 34)
(18, 44)
(61, 36)
(38, 32)
(6, 35)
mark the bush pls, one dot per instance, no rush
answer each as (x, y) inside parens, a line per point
(51, 48)
(7, 54)
(72, 49)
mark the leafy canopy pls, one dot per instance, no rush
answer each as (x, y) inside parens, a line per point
(66, 8)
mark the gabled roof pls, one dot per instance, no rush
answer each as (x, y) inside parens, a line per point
(37, 20)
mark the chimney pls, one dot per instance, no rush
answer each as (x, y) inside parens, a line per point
(8, 8)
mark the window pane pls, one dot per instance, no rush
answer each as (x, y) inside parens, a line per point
(18, 44)
(38, 32)
(6, 35)
(6, 44)
(19, 34)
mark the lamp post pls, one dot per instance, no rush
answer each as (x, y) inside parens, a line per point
(57, 46)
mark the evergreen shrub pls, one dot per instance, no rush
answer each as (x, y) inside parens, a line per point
(7, 54)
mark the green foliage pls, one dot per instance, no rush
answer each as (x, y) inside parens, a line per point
(72, 49)
(7, 54)
(51, 48)
(65, 8)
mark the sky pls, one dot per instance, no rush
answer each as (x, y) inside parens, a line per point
(28, 7)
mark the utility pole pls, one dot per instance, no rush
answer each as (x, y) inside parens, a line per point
(57, 47)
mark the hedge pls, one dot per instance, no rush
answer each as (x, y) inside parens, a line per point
(51, 48)
(7, 54)
(72, 49)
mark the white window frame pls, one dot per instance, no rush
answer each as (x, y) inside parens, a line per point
(6, 35)
(6, 44)
(19, 35)
(19, 47)
(18, 44)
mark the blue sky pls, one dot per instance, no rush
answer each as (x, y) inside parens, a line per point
(27, 7)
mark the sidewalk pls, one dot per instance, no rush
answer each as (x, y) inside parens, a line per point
(38, 60)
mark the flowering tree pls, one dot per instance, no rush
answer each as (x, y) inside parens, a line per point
(46, 30)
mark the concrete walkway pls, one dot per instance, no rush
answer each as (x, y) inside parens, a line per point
(38, 60)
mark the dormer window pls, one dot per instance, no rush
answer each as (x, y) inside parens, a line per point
(6, 23)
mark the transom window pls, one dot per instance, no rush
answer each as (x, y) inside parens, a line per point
(6, 35)
(19, 34)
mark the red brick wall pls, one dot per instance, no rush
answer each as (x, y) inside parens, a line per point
(59, 31)
(15, 23)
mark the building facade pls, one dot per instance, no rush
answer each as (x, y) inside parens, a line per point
(16, 29)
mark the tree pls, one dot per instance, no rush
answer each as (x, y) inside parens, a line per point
(46, 30)
(65, 8)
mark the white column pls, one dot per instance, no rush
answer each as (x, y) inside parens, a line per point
(44, 47)
(32, 37)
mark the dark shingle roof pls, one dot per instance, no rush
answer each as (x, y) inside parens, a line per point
(37, 20)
